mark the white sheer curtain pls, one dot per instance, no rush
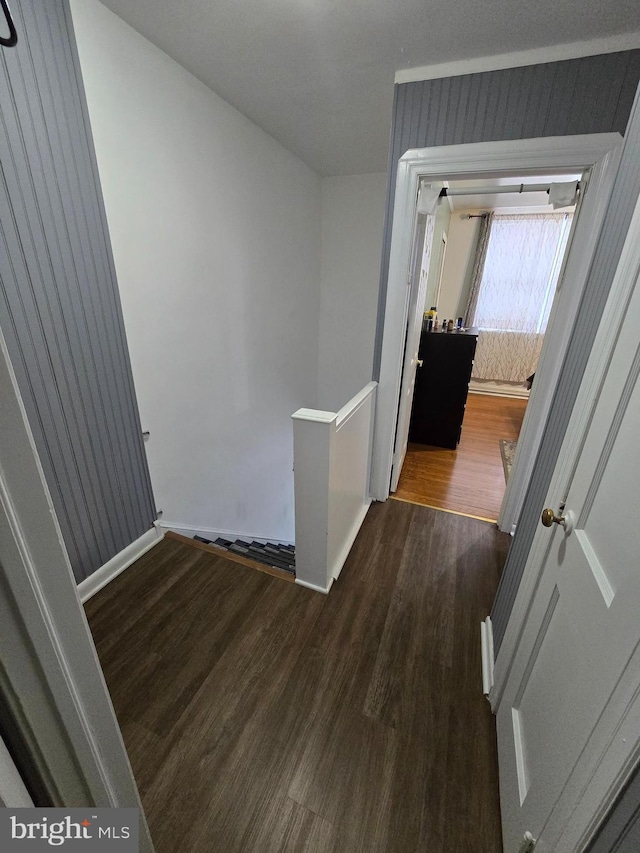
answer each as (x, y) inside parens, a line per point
(521, 270)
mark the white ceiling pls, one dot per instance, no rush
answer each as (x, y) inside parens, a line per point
(318, 74)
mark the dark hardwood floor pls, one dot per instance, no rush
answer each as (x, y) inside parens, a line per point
(469, 479)
(261, 716)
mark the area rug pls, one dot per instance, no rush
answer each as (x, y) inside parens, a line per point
(507, 451)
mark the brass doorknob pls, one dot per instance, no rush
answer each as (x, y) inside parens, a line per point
(549, 517)
(419, 362)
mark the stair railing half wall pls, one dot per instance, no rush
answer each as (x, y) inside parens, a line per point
(332, 468)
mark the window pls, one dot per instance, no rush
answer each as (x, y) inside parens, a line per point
(523, 262)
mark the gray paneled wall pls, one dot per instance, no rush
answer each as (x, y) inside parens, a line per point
(59, 304)
(590, 95)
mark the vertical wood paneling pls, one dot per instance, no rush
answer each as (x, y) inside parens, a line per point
(589, 95)
(59, 303)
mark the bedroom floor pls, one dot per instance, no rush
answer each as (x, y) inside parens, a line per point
(469, 480)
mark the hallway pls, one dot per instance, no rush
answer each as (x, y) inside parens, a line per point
(260, 716)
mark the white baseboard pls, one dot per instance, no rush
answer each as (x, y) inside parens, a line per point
(116, 565)
(498, 389)
(322, 589)
(209, 533)
(486, 639)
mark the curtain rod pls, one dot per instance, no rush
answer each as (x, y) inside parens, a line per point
(513, 188)
(484, 215)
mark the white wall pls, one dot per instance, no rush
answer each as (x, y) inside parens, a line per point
(458, 265)
(352, 223)
(216, 238)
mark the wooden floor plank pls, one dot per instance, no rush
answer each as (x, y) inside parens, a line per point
(469, 480)
(262, 716)
(287, 826)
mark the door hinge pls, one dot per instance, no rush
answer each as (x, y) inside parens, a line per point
(528, 844)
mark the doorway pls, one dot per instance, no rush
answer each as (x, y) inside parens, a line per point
(508, 239)
(485, 162)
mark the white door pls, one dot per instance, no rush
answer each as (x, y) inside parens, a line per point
(421, 257)
(572, 692)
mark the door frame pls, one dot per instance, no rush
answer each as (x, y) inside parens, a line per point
(51, 676)
(612, 752)
(598, 152)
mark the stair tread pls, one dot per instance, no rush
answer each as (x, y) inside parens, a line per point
(269, 560)
(269, 553)
(281, 555)
(228, 554)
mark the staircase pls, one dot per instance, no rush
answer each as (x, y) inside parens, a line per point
(275, 556)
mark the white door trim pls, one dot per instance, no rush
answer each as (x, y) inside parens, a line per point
(51, 668)
(597, 151)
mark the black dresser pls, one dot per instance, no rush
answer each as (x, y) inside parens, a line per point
(442, 384)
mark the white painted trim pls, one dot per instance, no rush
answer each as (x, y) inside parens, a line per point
(323, 589)
(486, 641)
(116, 565)
(518, 59)
(455, 162)
(209, 533)
(48, 653)
(355, 403)
(315, 415)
